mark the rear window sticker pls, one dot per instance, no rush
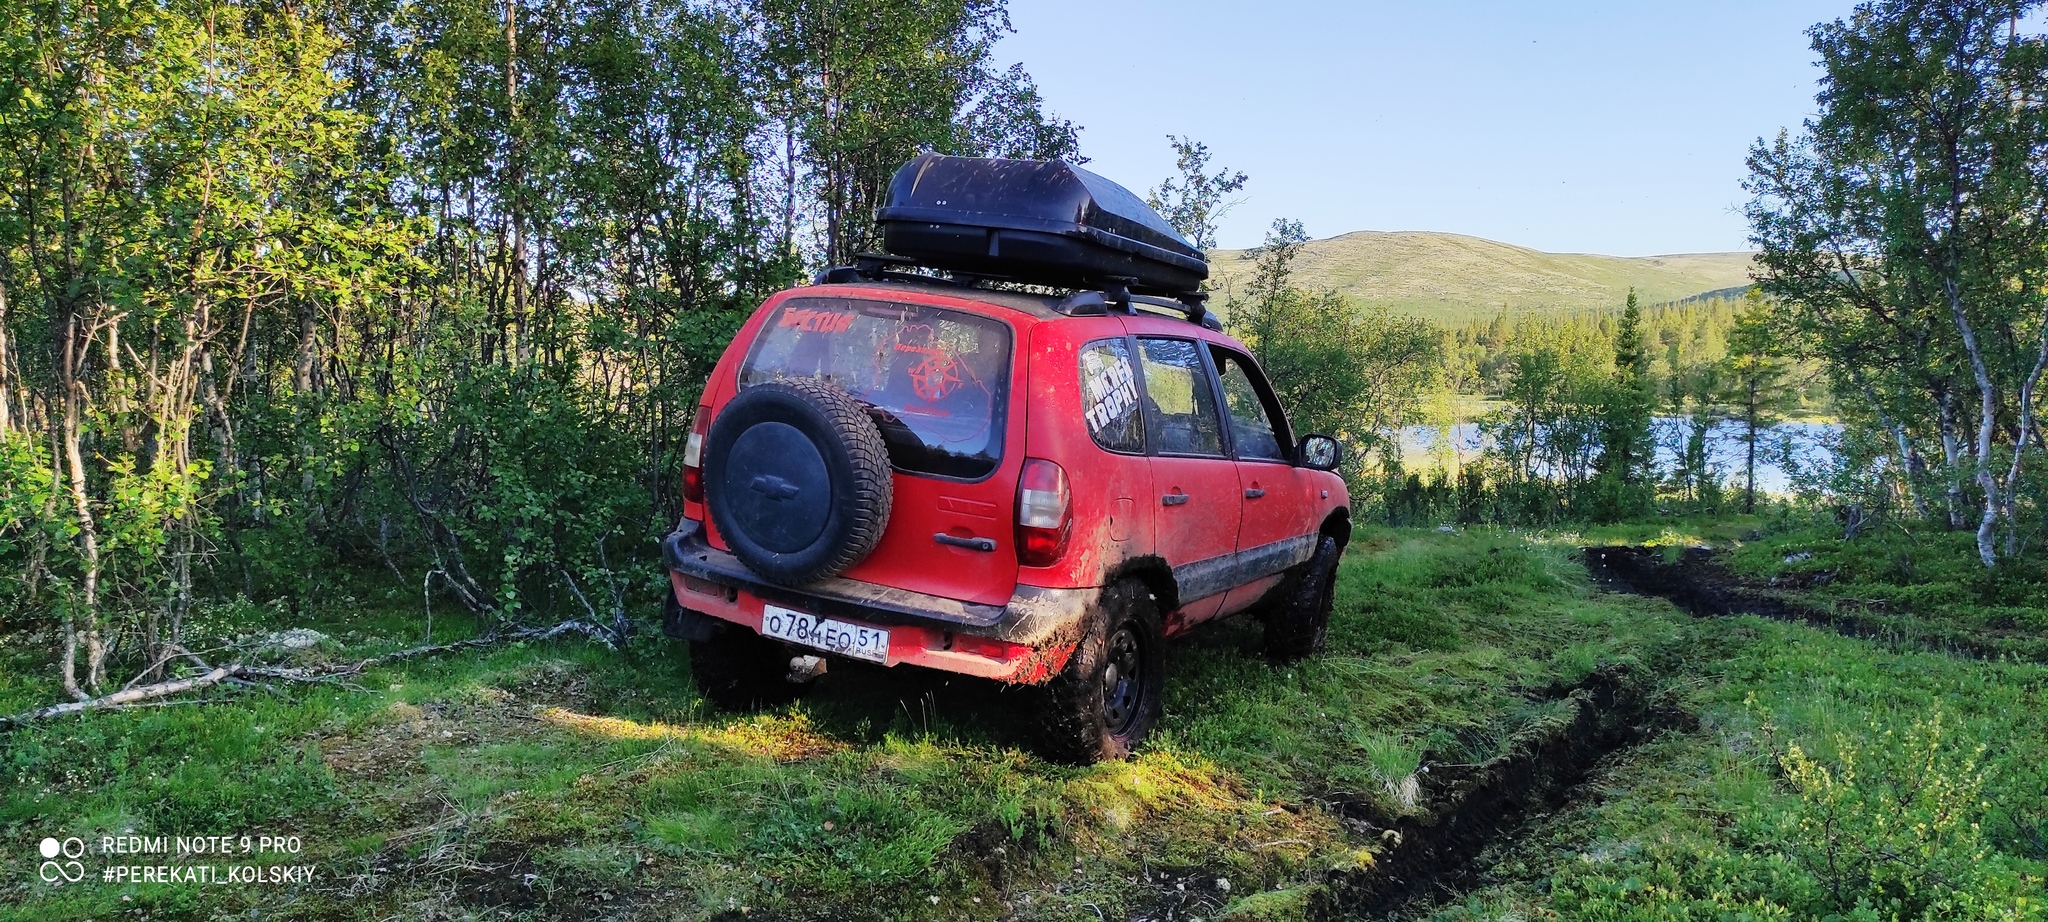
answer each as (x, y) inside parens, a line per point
(813, 321)
(934, 376)
(1111, 387)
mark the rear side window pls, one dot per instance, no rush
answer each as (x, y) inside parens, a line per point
(1109, 393)
(1181, 418)
(936, 380)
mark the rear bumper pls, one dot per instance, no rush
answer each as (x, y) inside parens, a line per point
(1026, 640)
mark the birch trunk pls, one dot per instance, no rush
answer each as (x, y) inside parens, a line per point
(2025, 431)
(6, 361)
(1952, 458)
(521, 323)
(70, 439)
(1987, 424)
(1908, 459)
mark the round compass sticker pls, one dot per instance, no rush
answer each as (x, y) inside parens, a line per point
(934, 376)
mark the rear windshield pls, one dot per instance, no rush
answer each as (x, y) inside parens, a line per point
(935, 379)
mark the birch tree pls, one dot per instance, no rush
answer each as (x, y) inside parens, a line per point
(1907, 228)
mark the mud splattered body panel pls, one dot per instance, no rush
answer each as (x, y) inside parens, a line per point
(1129, 407)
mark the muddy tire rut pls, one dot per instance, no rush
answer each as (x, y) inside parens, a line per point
(1434, 854)
(1699, 584)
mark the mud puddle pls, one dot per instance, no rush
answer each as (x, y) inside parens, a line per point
(1434, 855)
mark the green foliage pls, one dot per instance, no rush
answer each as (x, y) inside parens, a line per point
(1756, 377)
(865, 84)
(1898, 824)
(1355, 375)
(1626, 467)
(1568, 434)
(1906, 578)
(429, 288)
(874, 796)
(1194, 200)
(173, 172)
(28, 496)
(1901, 229)
(1830, 779)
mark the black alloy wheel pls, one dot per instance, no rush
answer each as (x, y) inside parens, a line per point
(1123, 681)
(1104, 703)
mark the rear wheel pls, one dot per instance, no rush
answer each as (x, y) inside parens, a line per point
(1107, 699)
(1297, 625)
(738, 670)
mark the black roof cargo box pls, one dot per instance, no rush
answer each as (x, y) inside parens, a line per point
(1037, 221)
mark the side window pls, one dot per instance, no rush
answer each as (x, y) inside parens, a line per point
(1109, 391)
(1180, 418)
(1251, 429)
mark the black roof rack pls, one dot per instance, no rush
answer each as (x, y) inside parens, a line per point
(1094, 303)
(1085, 302)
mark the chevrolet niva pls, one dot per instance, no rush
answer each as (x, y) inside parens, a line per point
(966, 473)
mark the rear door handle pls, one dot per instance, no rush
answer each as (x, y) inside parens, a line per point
(1173, 499)
(972, 544)
(1254, 493)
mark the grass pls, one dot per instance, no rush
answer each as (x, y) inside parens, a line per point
(565, 780)
(1829, 779)
(1931, 575)
(1453, 278)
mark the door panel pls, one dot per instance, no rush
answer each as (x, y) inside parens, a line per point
(937, 381)
(1274, 532)
(1196, 531)
(1194, 481)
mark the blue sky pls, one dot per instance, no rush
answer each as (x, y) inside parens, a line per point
(1614, 128)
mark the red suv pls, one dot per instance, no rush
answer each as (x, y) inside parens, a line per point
(1034, 488)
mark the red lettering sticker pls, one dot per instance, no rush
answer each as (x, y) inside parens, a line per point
(811, 321)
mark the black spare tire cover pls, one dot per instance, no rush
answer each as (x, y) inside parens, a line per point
(797, 479)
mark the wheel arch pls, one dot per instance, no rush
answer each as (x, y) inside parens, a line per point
(1153, 571)
(1338, 525)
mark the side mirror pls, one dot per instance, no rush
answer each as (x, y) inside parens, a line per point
(1319, 452)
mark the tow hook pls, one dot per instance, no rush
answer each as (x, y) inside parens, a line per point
(805, 669)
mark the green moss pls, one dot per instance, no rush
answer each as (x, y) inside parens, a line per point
(1269, 906)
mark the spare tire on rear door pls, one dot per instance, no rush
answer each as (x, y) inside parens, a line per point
(797, 479)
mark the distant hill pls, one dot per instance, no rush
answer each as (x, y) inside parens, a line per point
(1453, 278)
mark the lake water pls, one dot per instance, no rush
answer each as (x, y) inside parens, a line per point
(1806, 444)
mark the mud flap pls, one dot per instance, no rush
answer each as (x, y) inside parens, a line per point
(683, 624)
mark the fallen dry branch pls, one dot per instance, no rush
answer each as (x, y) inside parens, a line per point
(128, 696)
(492, 638)
(243, 672)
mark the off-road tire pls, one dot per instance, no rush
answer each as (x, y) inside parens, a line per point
(739, 670)
(1299, 619)
(1085, 716)
(851, 464)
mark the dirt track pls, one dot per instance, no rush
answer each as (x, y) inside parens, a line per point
(1470, 807)
(1698, 583)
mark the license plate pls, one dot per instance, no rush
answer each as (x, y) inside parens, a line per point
(868, 643)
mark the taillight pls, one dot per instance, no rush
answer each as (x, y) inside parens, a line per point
(1045, 513)
(693, 459)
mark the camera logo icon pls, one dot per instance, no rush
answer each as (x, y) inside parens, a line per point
(63, 871)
